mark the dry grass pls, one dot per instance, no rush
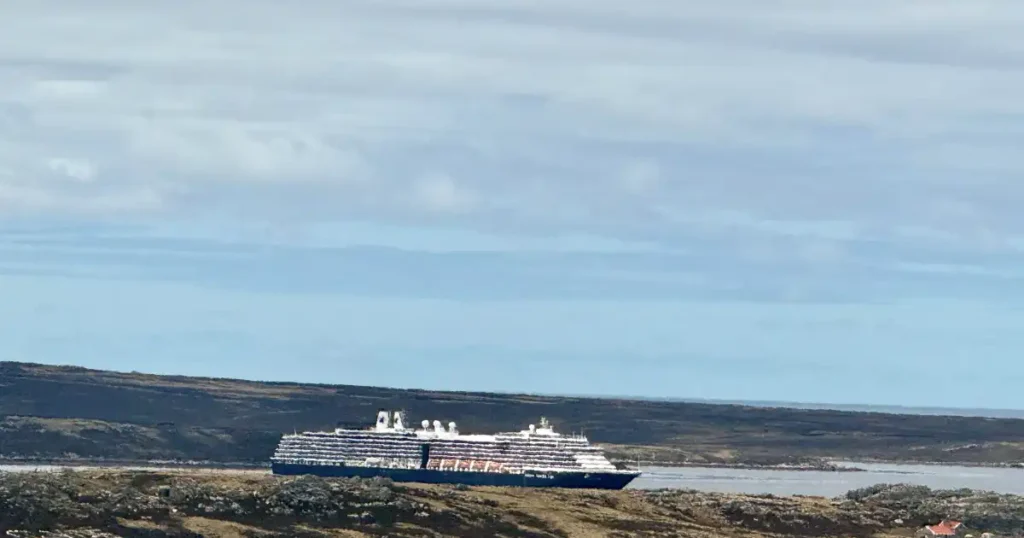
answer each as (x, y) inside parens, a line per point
(583, 513)
(221, 529)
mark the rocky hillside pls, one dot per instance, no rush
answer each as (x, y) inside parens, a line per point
(222, 504)
(49, 411)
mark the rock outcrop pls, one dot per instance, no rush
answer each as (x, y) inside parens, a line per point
(40, 501)
(918, 505)
(101, 504)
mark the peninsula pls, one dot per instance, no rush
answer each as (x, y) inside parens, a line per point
(60, 412)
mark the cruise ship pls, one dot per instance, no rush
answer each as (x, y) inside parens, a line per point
(534, 457)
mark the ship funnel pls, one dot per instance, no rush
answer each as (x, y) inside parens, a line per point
(533, 429)
(425, 424)
(399, 420)
(452, 428)
(382, 419)
(438, 427)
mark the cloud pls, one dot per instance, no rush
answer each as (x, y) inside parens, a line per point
(554, 178)
(440, 193)
(678, 122)
(819, 272)
(21, 200)
(640, 178)
(236, 152)
(73, 169)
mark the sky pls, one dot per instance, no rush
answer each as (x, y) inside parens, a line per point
(798, 200)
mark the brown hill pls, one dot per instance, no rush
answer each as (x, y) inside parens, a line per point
(47, 411)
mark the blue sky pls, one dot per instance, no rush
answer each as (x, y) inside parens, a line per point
(795, 200)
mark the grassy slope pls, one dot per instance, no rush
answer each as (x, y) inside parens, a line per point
(138, 415)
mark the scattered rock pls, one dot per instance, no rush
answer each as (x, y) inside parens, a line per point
(76, 533)
(42, 505)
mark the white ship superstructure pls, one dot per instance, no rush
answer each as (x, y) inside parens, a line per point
(392, 445)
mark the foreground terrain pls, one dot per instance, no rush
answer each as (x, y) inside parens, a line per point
(51, 412)
(235, 504)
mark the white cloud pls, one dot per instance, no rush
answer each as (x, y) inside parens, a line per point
(23, 200)
(228, 151)
(74, 169)
(641, 177)
(440, 193)
(654, 120)
(59, 90)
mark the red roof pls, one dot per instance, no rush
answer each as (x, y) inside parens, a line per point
(946, 528)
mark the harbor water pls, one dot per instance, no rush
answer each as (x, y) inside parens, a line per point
(781, 482)
(830, 483)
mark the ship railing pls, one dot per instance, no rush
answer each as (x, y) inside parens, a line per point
(476, 450)
(534, 458)
(456, 464)
(576, 470)
(310, 461)
(350, 452)
(412, 444)
(526, 460)
(439, 447)
(409, 436)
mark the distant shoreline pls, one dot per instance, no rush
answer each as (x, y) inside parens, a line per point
(984, 465)
(847, 466)
(115, 464)
(756, 467)
(170, 464)
(839, 466)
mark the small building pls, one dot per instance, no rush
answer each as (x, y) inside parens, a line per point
(946, 527)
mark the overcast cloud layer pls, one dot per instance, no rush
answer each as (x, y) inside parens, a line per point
(878, 118)
(795, 151)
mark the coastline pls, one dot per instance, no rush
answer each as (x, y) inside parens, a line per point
(198, 465)
(981, 465)
(115, 464)
(845, 465)
(824, 467)
(851, 468)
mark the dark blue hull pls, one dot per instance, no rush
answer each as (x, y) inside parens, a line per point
(470, 478)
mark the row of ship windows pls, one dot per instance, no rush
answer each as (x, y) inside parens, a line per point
(463, 455)
(451, 464)
(560, 441)
(503, 456)
(536, 460)
(433, 449)
(442, 466)
(440, 445)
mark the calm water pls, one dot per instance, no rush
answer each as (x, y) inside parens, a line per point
(828, 484)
